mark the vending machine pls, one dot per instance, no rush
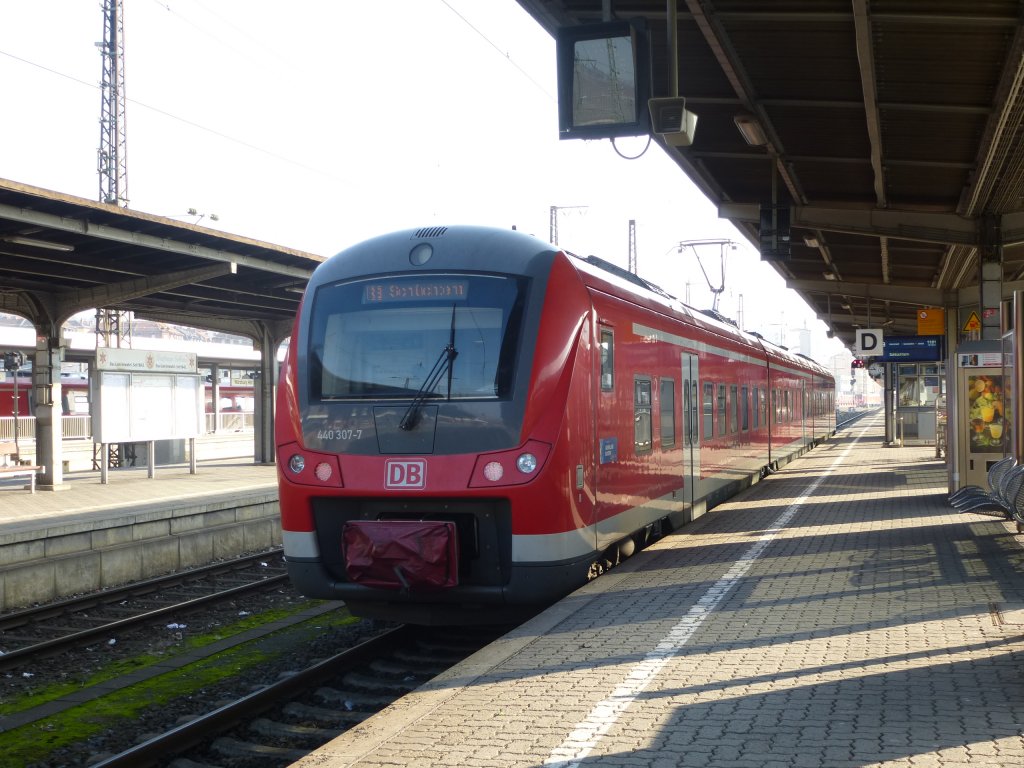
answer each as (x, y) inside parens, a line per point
(981, 410)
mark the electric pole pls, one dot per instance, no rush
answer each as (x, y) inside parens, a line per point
(111, 162)
(553, 221)
(113, 328)
(632, 246)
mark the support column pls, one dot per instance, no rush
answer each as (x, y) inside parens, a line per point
(48, 412)
(887, 404)
(215, 396)
(264, 389)
(991, 278)
(1017, 388)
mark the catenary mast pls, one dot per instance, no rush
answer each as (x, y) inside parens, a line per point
(113, 327)
(112, 162)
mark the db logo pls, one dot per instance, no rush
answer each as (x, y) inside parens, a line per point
(411, 473)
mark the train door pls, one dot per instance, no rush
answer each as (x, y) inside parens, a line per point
(691, 434)
(805, 439)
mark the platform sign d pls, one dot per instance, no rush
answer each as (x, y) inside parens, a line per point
(868, 342)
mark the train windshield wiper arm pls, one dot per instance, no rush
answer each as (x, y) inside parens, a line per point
(441, 366)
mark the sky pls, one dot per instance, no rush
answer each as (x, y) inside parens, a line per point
(316, 124)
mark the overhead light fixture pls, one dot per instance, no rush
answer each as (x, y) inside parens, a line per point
(811, 241)
(34, 243)
(828, 275)
(751, 130)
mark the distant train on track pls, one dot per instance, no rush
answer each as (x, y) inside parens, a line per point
(472, 423)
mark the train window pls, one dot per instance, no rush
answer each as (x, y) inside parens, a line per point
(607, 360)
(746, 409)
(709, 417)
(642, 433)
(721, 410)
(762, 407)
(686, 415)
(734, 407)
(667, 413)
(692, 435)
(379, 338)
(787, 412)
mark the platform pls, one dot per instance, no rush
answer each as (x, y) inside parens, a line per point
(91, 535)
(838, 614)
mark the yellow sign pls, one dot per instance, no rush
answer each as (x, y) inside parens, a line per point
(973, 323)
(931, 322)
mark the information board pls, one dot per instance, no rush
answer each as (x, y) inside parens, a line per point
(911, 349)
(142, 407)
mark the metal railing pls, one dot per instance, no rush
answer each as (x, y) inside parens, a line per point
(79, 427)
(232, 421)
(26, 429)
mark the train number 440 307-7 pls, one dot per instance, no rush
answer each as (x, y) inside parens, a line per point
(339, 434)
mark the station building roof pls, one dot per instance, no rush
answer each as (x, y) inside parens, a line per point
(60, 255)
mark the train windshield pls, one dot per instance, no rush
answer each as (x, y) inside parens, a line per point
(435, 336)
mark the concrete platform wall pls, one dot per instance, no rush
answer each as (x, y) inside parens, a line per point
(62, 560)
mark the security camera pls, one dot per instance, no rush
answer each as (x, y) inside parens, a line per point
(671, 120)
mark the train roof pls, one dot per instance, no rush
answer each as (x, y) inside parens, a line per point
(657, 298)
(520, 252)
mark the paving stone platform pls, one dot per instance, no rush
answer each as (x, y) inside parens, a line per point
(91, 535)
(839, 614)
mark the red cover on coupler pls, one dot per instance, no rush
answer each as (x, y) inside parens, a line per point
(401, 554)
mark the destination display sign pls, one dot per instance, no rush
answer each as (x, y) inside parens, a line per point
(383, 291)
(904, 349)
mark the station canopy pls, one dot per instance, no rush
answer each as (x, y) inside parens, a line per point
(889, 132)
(60, 255)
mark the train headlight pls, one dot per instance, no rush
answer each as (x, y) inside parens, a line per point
(526, 463)
(297, 463)
(323, 471)
(493, 471)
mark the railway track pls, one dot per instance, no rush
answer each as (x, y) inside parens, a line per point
(36, 633)
(279, 724)
(847, 419)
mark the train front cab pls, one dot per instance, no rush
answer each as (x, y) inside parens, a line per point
(523, 540)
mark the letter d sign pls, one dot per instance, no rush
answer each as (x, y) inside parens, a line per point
(868, 343)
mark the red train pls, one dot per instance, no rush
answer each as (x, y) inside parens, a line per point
(472, 423)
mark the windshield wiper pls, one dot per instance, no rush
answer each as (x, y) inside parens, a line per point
(441, 366)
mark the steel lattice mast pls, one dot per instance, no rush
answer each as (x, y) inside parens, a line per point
(113, 328)
(112, 163)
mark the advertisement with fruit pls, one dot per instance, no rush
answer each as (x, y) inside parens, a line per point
(985, 414)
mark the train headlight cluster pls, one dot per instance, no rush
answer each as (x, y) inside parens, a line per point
(526, 463)
(308, 467)
(514, 467)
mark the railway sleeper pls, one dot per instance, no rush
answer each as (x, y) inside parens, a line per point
(391, 685)
(302, 734)
(228, 747)
(324, 716)
(420, 659)
(352, 701)
(397, 668)
(184, 762)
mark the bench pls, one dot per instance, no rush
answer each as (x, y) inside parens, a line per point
(9, 451)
